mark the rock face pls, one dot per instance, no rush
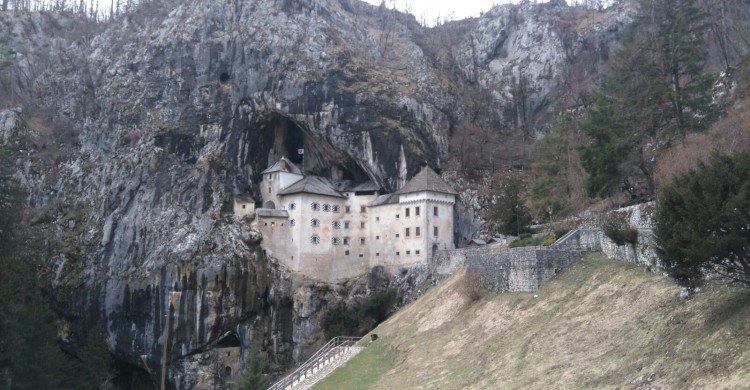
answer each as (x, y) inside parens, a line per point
(141, 130)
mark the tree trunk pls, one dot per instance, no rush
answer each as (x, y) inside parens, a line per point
(5, 5)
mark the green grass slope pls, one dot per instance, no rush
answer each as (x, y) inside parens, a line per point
(599, 324)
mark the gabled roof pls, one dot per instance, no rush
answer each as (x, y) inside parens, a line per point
(366, 186)
(477, 242)
(426, 180)
(271, 213)
(384, 199)
(279, 167)
(244, 199)
(312, 185)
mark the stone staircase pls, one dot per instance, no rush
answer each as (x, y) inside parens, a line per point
(331, 356)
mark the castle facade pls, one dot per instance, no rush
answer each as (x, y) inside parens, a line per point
(333, 230)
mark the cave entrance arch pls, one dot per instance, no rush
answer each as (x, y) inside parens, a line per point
(273, 135)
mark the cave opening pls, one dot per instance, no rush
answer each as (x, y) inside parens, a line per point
(279, 136)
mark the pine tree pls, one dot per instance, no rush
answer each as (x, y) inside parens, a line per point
(30, 357)
(94, 362)
(509, 213)
(550, 192)
(254, 377)
(654, 92)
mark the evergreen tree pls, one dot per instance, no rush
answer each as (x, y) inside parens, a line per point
(30, 357)
(654, 92)
(702, 222)
(550, 192)
(93, 367)
(254, 378)
(509, 213)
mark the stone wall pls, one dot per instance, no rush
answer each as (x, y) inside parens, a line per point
(590, 237)
(516, 269)
(446, 262)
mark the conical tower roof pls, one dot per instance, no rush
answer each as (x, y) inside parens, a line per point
(426, 180)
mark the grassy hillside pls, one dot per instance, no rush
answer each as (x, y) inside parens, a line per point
(599, 324)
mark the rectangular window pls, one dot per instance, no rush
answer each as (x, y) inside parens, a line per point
(269, 190)
(397, 253)
(377, 253)
(346, 253)
(416, 211)
(396, 235)
(434, 211)
(416, 252)
(377, 237)
(349, 209)
(406, 232)
(396, 216)
(408, 253)
(377, 219)
(362, 209)
(346, 224)
(346, 242)
(434, 231)
(361, 255)
(406, 214)
(361, 225)
(416, 231)
(361, 241)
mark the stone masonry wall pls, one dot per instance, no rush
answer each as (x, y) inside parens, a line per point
(516, 269)
(590, 237)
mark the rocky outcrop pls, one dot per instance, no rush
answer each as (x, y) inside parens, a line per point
(134, 136)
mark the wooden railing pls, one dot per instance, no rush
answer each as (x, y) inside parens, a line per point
(332, 350)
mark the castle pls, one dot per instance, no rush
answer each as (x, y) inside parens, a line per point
(333, 230)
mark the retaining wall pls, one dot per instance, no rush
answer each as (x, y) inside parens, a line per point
(517, 269)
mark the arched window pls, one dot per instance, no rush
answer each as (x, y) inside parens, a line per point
(315, 239)
(315, 206)
(315, 222)
(269, 205)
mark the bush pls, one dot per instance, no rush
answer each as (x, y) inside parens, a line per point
(617, 229)
(702, 222)
(361, 317)
(533, 241)
(475, 286)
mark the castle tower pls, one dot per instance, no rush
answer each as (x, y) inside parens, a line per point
(277, 177)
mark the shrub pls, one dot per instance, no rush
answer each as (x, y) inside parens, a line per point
(533, 241)
(475, 286)
(617, 229)
(549, 240)
(360, 318)
(702, 222)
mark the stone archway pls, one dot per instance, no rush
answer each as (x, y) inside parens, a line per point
(434, 250)
(269, 205)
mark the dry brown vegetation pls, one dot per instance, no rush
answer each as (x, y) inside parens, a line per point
(730, 134)
(599, 324)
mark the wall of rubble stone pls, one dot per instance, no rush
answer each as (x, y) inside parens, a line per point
(516, 269)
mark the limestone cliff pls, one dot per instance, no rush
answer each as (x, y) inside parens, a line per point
(135, 134)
